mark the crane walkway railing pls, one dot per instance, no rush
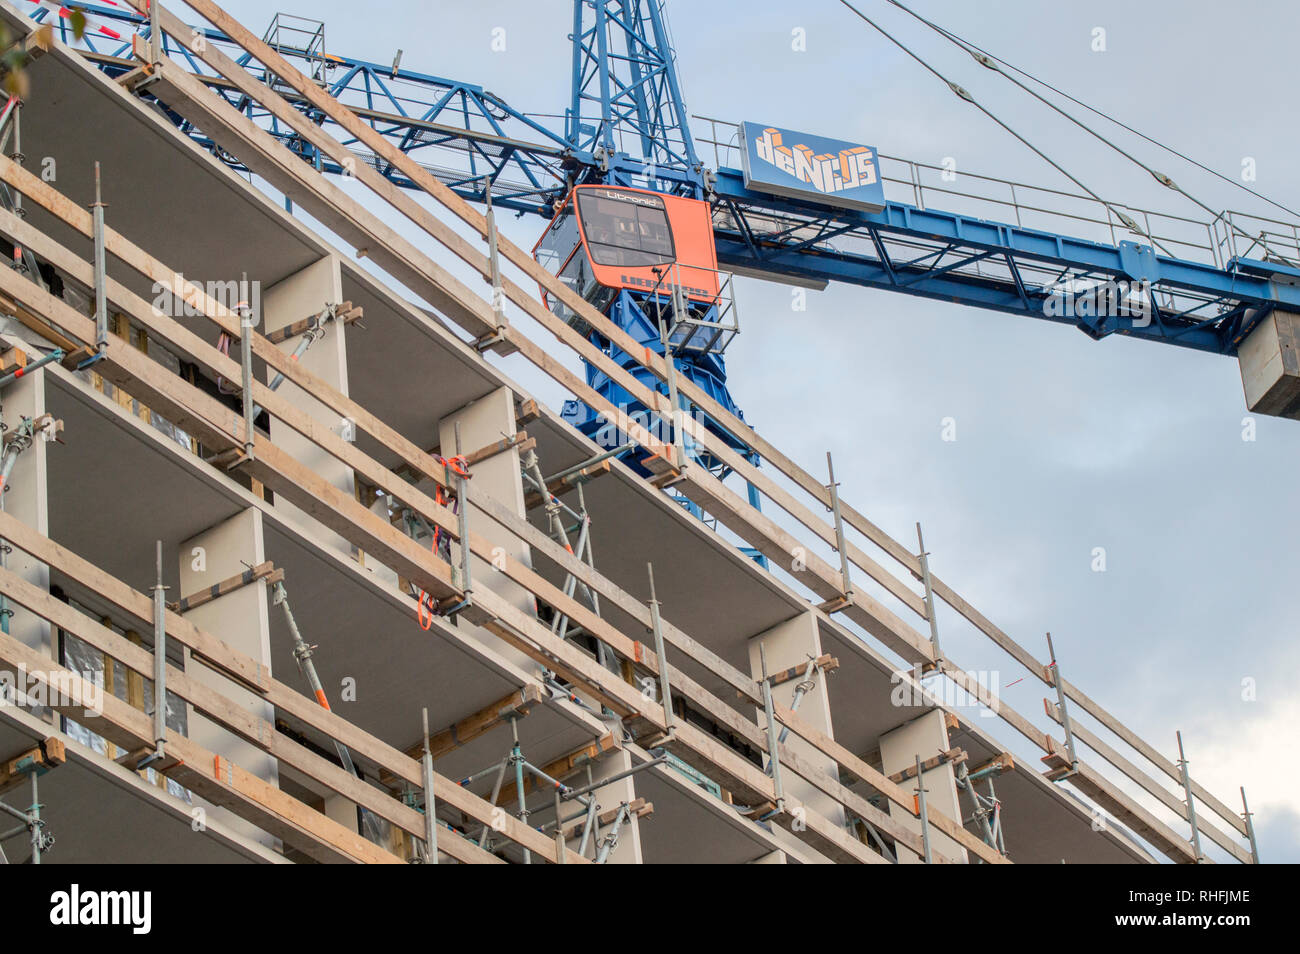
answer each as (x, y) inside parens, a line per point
(927, 185)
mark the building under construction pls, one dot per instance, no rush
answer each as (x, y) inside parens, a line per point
(260, 605)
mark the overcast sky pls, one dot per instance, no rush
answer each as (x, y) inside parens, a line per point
(1063, 444)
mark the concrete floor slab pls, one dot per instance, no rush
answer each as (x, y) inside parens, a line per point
(365, 631)
(102, 813)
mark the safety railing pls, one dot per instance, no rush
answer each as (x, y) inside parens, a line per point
(695, 324)
(927, 185)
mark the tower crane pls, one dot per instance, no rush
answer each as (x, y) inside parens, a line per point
(642, 226)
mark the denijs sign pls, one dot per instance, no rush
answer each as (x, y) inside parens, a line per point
(801, 166)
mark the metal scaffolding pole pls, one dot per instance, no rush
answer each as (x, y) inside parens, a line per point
(159, 663)
(532, 474)
(517, 760)
(671, 365)
(585, 552)
(997, 818)
(430, 818)
(924, 557)
(56, 355)
(922, 812)
(38, 836)
(980, 811)
(462, 523)
(665, 691)
(578, 793)
(483, 836)
(20, 441)
(1066, 726)
(1191, 803)
(773, 739)
(1248, 816)
(101, 294)
(305, 341)
(37, 826)
(494, 261)
(840, 547)
(11, 120)
(610, 841)
(246, 372)
(804, 686)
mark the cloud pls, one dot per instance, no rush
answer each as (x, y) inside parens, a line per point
(1252, 747)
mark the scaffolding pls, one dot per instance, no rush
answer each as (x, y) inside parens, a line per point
(643, 699)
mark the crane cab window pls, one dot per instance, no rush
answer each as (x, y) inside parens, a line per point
(560, 240)
(628, 229)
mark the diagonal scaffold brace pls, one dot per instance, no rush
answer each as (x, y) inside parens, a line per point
(986, 807)
(302, 654)
(816, 666)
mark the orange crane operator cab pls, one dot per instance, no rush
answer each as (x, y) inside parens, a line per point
(606, 239)
(648, 262)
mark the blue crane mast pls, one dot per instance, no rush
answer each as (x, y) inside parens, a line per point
(626, 125)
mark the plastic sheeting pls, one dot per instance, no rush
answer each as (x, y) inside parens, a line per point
(89, 662)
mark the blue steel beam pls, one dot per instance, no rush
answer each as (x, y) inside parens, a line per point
(1222, 304)
(625, 93)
